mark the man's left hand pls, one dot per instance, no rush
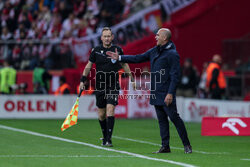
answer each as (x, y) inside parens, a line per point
(168, 99)
(82, 86)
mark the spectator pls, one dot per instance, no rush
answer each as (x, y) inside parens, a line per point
(93, 7)
(16, 56)
(216, 82)
(5, 36)
(22, 35)
(34, 60)
(242, 67)
(69, 25)
(8, 16)
(26, 56)
(21, 28)
(25, 17)
(110, 13)
(64, 87)
(188, 83)
(91, 20)
(7, 78)
(55, 25)
(42, 25)
(83, 28)
(80, 7)
(202, 84)
(41, 79)
(64, 8)
(32, 31)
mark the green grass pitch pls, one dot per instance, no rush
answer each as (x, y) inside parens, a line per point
(141, 137)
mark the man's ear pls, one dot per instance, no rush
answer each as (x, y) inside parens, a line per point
(113, 37)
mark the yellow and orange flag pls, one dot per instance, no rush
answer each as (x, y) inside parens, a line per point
(72, 117)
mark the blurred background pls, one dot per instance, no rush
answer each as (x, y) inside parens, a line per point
(46, 43)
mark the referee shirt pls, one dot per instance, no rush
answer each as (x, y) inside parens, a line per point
(107, 76)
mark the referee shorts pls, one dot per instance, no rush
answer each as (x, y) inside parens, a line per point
(106, 97)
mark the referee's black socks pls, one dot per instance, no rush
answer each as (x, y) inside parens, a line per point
(110, 127)
(103, 125)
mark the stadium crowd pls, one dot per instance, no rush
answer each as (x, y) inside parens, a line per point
(35, 30)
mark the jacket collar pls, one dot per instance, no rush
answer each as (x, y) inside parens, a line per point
(167, 46)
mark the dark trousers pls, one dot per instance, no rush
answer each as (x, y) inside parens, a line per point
(163, 112)
(217, 93)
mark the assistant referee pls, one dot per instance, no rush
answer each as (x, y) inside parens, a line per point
(107, 82)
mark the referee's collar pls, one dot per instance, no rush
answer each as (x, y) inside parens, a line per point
(106, 48)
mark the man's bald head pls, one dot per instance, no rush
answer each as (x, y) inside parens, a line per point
(163, 36)
(217, 58)
(166, 32)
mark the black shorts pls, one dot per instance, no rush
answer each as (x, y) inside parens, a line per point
(106, 97)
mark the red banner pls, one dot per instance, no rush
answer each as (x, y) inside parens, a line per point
(225, 126)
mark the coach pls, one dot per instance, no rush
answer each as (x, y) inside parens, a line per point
(165, 74)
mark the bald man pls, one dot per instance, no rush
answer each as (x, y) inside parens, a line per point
(165, 75)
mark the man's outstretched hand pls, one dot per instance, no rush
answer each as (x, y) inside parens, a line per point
(113, 55)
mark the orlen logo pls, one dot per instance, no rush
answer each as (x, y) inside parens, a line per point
(231, 122)
(202, 110)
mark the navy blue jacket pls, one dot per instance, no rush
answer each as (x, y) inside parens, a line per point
(165, 70)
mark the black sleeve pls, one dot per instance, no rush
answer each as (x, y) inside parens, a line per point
(214, 80)
(66, 91)
(120, 51)
(92, 56)
(46, 76)
(193, 79)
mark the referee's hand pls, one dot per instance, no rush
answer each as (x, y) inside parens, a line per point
(113, 55)
(82, 86)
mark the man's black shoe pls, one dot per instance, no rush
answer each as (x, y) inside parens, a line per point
(163, 150)
(103, 141)
(109, 144)
(188, 149)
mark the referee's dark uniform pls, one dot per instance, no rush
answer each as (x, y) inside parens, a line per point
(107, 83)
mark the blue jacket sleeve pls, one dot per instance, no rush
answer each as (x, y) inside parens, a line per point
(174, 73)
(136, 58)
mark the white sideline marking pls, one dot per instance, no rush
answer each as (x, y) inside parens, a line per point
(177, 148)
(245, 159)
(97, 147)
(63, 156)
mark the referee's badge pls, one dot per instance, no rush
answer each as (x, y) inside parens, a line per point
(113, 61)
(102, 51)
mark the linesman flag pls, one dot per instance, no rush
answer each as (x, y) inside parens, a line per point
(71, 118)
